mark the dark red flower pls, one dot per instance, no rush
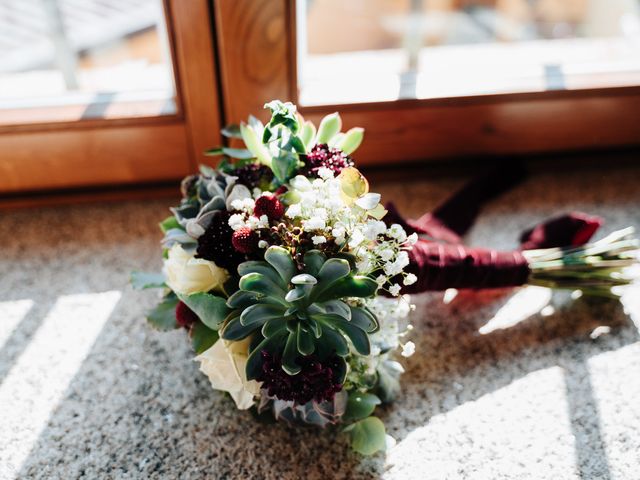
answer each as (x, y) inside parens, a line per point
(185, 317)
(215, 243)
(318, 379)
(252, 175)
(270, 206)
(324, 156)
(245, 240)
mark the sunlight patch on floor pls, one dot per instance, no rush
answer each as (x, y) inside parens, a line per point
(39, 378)
(11, 314)
(523, 427)
(525, 303)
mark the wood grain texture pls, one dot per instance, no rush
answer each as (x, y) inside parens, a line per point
(414, 130)
(398, 133)
(198, 85)
(100, 156)
(255, 55)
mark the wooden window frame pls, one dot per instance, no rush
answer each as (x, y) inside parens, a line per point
(263, 65)
(68, 155)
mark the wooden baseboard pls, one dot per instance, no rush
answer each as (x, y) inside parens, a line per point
(114, 193)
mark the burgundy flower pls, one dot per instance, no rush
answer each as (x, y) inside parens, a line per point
(324, 156)
(270, 206)
(245, 240)
(318, 379)
(185, 317)
(252, 175)
(215, 243)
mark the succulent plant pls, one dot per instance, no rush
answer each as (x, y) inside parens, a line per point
(293, 315)
(205, 195)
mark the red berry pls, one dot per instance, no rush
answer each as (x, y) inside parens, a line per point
(185, 317)
(270, 206)
(245, 240)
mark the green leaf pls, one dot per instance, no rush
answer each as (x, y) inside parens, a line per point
(254, 362)
(241, 153)
(368, 435)
(357, 286)
(234, 330)
(330, 273)
(259, 266)
(334, 340)
(351, 140)
(242, 299)
(260, 283)
(231, 131)
(280, 259)
(257, 315)
(357, 336)
(329, 126)
(289, 356)
(163, 316)
(304, 340)
(283, 114)
(284, 165)
(360, 405)
(211, 310)
(202, 337)
(213, 152)
(295, 143)
(143, 280)
(308, 134)
(313, 261)
(169, 223)
(254, 144)
(272, 327)
(364, 319)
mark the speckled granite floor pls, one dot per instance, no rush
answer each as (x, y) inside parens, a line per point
(505, 384)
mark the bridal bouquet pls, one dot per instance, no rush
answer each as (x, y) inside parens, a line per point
(292, 279)
(275, 263)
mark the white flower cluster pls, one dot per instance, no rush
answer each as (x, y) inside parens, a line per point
(242, 201)
(323, 211)
(392, 315)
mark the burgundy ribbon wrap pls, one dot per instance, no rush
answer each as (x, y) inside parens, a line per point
(440, 260)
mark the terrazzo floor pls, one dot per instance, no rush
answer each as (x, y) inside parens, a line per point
(505, 384)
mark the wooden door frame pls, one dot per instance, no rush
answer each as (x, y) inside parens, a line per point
(132, 150)
(258, 62)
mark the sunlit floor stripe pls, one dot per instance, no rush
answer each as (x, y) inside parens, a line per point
(40, 376)
(11, 314)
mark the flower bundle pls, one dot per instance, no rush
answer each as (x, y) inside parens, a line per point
(275, 262)
(292, 279)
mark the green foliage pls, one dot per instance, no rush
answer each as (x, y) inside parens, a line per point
(329, 127)
(298, 315)
(240, 153)
(368, 435)
(144, 280)
(360, 405)
(163, 316)
(231, 131)
(169, 223)
(351, 140)
(210, 309)
(202, 337)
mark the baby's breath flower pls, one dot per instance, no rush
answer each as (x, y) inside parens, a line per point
(408, 349)
(394, 289)
(412, 239)
(410, 279)
(318, 239)
(236, 221)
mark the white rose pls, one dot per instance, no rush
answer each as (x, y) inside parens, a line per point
(224, 363)
(186, 274)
